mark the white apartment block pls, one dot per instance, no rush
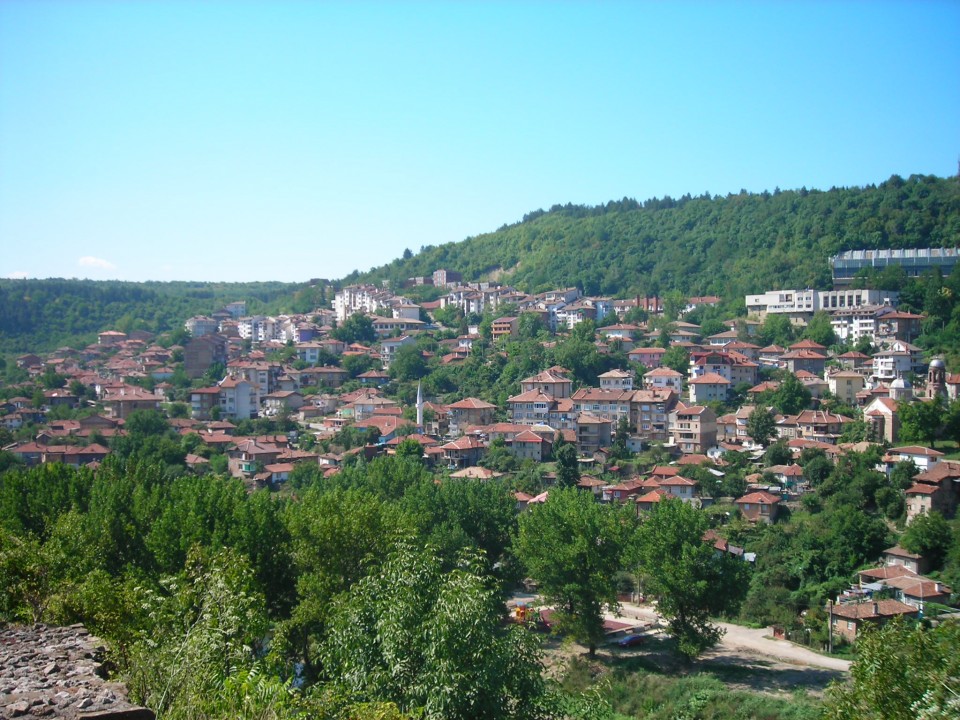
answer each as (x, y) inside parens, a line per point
(364, 299)
(800, 305)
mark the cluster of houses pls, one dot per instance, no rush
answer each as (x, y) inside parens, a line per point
(658, 404)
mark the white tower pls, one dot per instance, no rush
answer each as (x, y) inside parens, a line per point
(419, 409)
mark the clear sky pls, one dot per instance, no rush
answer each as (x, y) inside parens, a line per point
(290, 140)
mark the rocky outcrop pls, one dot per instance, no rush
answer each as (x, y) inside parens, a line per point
(56, 672)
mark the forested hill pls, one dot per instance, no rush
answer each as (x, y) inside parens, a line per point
(726, 246)
(37, 315)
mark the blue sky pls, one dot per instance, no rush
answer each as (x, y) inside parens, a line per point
(290, 140)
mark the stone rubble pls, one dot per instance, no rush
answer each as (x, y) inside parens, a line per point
(56, 672)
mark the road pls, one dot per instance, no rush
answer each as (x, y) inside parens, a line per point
(738, 640)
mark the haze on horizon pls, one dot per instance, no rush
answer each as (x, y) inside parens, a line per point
(288, 140)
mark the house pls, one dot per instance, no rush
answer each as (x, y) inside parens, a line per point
(759, 506)
(650, 414)
(504, 327)
(607, 404)
(616, 380)
(693, 429)
(202, 402)
(123, 400)
(469, 411)
(845, 385)
(553, 382)
(593, 432)
(649, 357)
(820, 425)
(804, 359)
(647, 501)
(663, 378)
(528, 445)
(463, 452)
(390, 346)
(924, 458)
(239, 398)
(913, 562)
(847, 619)
(281, 402)
(709, 387)
(883, 422)
(680, 487)
(201, 353)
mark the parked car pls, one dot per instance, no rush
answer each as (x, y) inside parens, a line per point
(631, 641)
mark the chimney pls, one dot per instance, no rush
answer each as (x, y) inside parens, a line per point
(876, 608)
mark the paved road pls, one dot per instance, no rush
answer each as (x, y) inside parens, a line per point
(738, 638)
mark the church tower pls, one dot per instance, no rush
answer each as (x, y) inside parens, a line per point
(936, 379)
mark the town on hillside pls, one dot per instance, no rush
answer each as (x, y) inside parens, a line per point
(744, 416)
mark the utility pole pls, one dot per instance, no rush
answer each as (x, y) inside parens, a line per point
(830, 626)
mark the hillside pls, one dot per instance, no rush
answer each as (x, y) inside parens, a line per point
(38, 315)
(726, 246)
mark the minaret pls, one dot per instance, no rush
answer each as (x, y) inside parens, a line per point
(419, 409)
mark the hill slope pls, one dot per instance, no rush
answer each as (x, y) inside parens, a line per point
(726, 246)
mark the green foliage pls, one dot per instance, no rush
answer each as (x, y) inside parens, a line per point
(408, 364)
(761, 425)
(568, 469)
(38, 315)
(921, 421)
(203, 625)
(929, 535)
(727, 246)
(820, 330)
(676, 358)
(358, 328)
(790, 398)
(692, 581)
(903, 671)
(432, 642)
(572, 546)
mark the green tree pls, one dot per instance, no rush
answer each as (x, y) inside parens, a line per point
(618, 449)
(820, 330)
(408, 364)
(356, 328)
(761, 425)
(691, 580)
(573, 546)
(410, 448)
(903, 671)
(568, 468)
(929, 535)
(676, 358)
(921, 421)
(791, 397)
(433, 642)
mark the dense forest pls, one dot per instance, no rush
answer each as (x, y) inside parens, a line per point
(705, 245)
(39, 315)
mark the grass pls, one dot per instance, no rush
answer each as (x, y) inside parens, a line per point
(634, 687)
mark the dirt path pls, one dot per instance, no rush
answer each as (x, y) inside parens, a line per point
(738, 640)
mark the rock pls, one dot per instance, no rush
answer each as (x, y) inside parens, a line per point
(18, 708)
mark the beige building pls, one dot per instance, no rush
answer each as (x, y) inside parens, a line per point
(694, 429)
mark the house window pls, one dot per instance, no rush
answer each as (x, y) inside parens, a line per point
(850, 625)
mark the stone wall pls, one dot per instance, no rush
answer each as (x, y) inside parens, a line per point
(55, 672)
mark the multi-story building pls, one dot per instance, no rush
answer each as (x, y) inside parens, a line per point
(239, 398)
(914, 261)
(650, 413)
(800, 305)
(693, 429)
(201, 325)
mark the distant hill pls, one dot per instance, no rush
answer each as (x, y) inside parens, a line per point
(726, 246)
(38, 315)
